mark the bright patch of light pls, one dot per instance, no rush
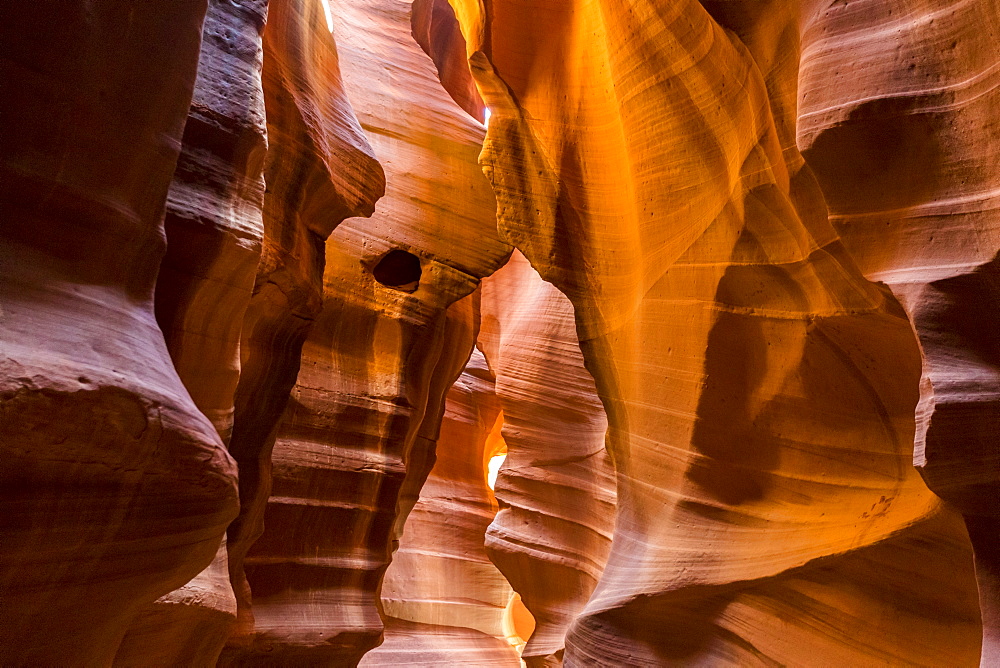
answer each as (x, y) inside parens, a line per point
(328, 14)
(487, 115)
(494, 469)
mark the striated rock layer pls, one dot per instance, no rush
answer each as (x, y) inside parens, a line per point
(444, 602)
(759, 391)
(214, 228)
(115, 488)
(903, 139)
(557, 485)
(393, 334)
(319, 170)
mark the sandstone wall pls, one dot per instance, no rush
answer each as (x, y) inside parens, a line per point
(115, 488)
(760, 392)
(355, 444)
(903, 140)
(443, 601)
(557, 486)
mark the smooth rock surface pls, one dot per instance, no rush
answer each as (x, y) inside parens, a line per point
(319, 170)
(114, 488)
(759, 391)
(904, 142)
(355, 444)
(557, 485)
(214, 229)
(443, 600)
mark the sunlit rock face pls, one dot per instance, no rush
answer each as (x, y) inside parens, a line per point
(557, 485)
(443, 600)
(115, 489)
(749, 396)
(903, 140)
(355, 443)
(760, 392)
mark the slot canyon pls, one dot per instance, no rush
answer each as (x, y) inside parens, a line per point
(505, 333)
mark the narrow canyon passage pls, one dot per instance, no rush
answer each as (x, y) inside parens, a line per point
(499, 333)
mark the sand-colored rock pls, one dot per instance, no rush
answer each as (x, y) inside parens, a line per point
(114, 488)
(557, 485)
(760, 392)
(443, 600)
(214, 228)
(319, 170)
(898, 121)
(353, 446)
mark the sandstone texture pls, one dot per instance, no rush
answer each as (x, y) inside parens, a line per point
(115, 488)
(214, 228)
(557, 485)
(283, 282)
(905, 154)
(357, 439)
(759, 391)
(444, 601)
(319, 170)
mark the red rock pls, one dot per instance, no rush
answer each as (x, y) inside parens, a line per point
(759, 391)
(115, 488)
(352, 450)
(903, 139)
(320, 170)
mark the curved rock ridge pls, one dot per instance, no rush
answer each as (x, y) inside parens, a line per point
(114, 488)
(557, 486)
(214, 229)
(760, 392)
(903, 141)
(443, 601)
(319, 170)
(435, 27)
(394, 333)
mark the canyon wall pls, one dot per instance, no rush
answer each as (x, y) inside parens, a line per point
(214, 228)
(320, 169)
(903, 140)
(742, 362)
(393, 334)
(557, 486)
(116, 489)
(760, 392)
(443, 601)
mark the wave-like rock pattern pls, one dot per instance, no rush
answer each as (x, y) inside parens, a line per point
(898, 120)
(214, 229)
(115, 488)
(319, 170)
(759, 391)
(355, 443)
(444, 601)
(557, 486)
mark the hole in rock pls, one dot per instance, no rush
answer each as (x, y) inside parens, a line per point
(398, 269)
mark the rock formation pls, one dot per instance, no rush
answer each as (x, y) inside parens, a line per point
(759, 391)
(443, 601)
(319, 170)
(379, 359)
(557, 486)
(115, 488)
(787, 357)
(903, 143)
(214, 228)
